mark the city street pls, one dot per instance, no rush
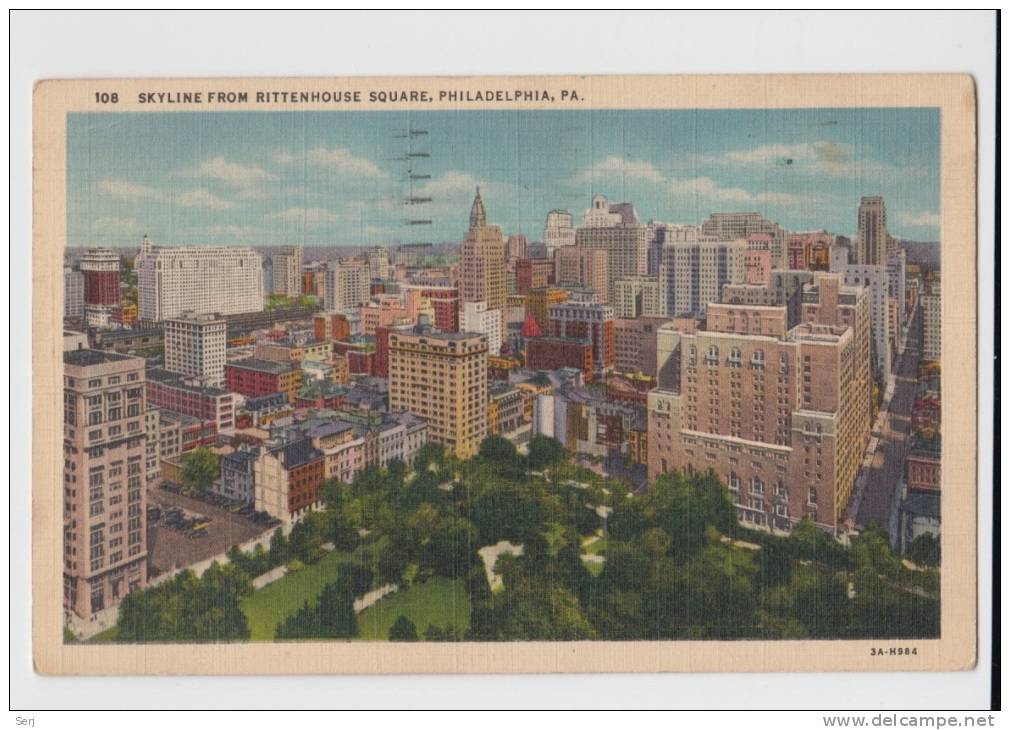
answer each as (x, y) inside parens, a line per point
(878, 482)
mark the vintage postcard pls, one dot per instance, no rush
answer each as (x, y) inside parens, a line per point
(532, 374)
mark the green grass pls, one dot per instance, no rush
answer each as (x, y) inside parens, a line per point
(437, 601)
(272, 604)
(108, 635)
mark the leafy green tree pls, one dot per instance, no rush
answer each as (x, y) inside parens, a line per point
(925, 550)
(403, 629)
(500, 451)
(430, 453)
(279, 549)
(200, 467)
(448, 632)
(545, 451)
(531, 612)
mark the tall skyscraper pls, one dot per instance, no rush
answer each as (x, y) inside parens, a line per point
(559, 231)
(195, 346)
(201, 279)
(488, 322)
(441, 378)
(287, 272)
(104, 480)
(378, 262)
(692, 273)
(102, 300)
(575, 266)
(346, 285)
(615, 228)
(873, 236)
(73, 293)
(482, 260)
(932, 318)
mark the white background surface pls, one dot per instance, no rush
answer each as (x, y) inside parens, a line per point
(68, 45)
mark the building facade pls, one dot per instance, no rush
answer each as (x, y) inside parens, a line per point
(441, 378)
(559, 231)
(287, 271)
(73, 293)
(195, 346)
(590, 323)
(615, 228)
(482, 261)
(104, 480)
(102, 297)
(873, 245)
(637, 296)
(346, 286)
(575, 266)
(488, 322)
(692, 273)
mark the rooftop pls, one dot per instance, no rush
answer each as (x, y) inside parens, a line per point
(263, 366)
(88, 358)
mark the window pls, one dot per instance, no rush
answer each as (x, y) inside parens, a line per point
(812, 496)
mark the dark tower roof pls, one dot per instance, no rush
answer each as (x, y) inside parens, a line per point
(478, 217)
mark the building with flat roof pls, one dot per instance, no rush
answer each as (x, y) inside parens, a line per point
(104, 480)
(195, 346)
(615, 228)
(201, 279)
(254, 377)
(191, 397)
(441, 377)
(591, 323)
(287, 271)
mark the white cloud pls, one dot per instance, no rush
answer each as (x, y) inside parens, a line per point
(232, 231)
(919, 218)
(201, 198)
(126, 190)
(702, 187)
(305, 216)
(111, 224)
(614, 166)
(336, 159)
(233, 173)
(821, 157)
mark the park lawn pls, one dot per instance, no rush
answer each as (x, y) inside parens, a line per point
(437, 601)
(271, 604)
(109, 634)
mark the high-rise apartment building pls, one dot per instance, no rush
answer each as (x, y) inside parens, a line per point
(201, 279)
(346, 285)
(734, 226)
(482, 261)
(781, 415)
(488, 322)
(441, 377)
(195, 346)
(692, 273)
(559, 231)
(873, 242)
(104, 480)
(73, 293)
(637, 296)
(287, 271)
(575, 266)
(102, 298)
(932, 318)
(615, 228)
(876, 281)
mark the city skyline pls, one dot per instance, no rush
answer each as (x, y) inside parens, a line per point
(326, 179)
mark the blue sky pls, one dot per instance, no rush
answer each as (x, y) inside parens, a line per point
(336, 178)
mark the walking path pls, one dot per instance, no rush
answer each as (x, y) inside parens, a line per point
(373, 597)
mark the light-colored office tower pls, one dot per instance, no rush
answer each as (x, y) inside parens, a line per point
(488, 322)
(441, 377)
(516, 247)
(873, 236)
(482, 261)
(575, 266)
(287, 271)
(347, 285)
(778, 414)
(839, 256)
(195, 346)
(104, 480)
(559, 231)
(733, 226)
(73, 293)
(896, 264)
(692, 273)
(102, 298)
(201, 279)
(932, 317)
(378, 263)
(877, 282)
(780, 288)
(637, 296)
(615, 228)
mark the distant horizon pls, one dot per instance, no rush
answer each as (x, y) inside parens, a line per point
(339, 178)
